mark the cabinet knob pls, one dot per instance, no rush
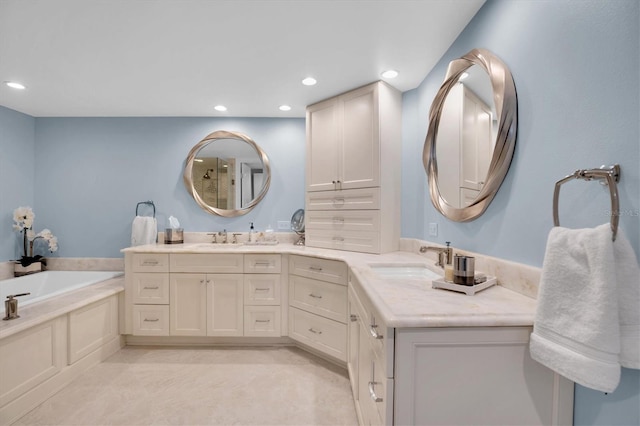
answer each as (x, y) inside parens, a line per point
(353, 317)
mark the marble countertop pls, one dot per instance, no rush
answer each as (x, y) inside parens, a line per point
(403, 302)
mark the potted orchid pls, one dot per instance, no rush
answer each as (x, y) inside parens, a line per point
(23, 218)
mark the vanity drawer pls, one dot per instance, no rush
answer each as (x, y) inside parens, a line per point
(262, 321)
(347, 199)
(360, 241)
(325, 335)
(150, 320)
(206, 262)
(319, 297)
(150, 288)
(262, 263)
(380, 337)
(150, 262)
(333, 271)
(348, 220)
(262, 289)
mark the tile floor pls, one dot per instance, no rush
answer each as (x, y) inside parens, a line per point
(203, 386)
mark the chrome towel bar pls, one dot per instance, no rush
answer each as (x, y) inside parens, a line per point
(610, 175)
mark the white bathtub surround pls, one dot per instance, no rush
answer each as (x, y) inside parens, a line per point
(53, 342)
(49, 284)
(38, 313)
(203, 386)
(521, 278)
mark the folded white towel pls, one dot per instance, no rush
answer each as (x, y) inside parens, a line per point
(587, 295)
(144, 230)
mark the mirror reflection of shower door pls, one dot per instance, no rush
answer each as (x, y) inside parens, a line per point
(246, 189)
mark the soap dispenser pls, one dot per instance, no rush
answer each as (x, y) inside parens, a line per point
(448, 266)
(252, 234)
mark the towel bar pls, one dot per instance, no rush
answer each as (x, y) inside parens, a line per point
(610, 175)
(149, 203)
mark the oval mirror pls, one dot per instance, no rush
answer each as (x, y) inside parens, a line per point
(471, 136)
(227, 173)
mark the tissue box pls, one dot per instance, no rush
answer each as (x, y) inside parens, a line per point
(174, 236)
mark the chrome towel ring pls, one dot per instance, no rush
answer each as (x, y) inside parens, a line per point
(610, 175)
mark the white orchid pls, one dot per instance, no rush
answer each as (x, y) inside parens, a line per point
(23, 218)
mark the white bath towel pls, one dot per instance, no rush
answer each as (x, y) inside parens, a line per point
(587, 305)
(144, 230)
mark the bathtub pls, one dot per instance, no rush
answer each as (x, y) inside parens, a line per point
(44, 285)
(70, 323)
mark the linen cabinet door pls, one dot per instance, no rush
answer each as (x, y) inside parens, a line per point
(360, 162)
(225, 305)
(188, 305)
(323, 146)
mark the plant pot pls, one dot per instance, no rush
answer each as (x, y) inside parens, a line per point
(20, 270)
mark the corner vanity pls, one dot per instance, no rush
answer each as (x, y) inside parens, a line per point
(414, 354)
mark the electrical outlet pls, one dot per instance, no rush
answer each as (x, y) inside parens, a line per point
(284, 225)
(433, 229)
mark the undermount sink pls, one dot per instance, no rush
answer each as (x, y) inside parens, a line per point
(412, 271)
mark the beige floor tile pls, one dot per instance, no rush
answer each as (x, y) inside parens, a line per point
(203, 386)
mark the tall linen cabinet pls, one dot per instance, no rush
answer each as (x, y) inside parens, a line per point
(353, 170)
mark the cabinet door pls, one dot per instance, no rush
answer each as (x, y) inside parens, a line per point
(353, 341)
(188, 306)
(360, 162)
(225, 305)
(461, 375)
(323, 146)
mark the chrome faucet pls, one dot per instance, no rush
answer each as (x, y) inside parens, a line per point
(11, 306)
(445, 254)
(224, 236)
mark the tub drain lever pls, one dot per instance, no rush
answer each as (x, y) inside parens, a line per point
(11, 306)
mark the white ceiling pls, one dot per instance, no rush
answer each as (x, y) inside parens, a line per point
(81, 58)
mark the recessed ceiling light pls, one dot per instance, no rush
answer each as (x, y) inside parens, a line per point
(463, 76)
(309, 81)
(220, 108)
(15, 85)
(390, 74)
(284, 108)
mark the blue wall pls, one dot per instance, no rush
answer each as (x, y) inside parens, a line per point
(91, 172)
(17, 175)
(576, 70)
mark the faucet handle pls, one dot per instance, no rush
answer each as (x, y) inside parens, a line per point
(235, 237)
(215, 237)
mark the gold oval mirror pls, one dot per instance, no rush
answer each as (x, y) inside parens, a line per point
(471, 137)
(227, 173)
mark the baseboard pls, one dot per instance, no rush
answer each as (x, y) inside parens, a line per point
(206, 341)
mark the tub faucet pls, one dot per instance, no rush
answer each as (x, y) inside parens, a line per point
(11, 306)
(445, 254)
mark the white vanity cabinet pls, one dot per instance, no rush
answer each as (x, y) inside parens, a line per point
(453, 375)
(203, 294)
(149, 284)
(318, 304)
(353, 170)
(209, 303)
(370, 359)
(262, 293)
